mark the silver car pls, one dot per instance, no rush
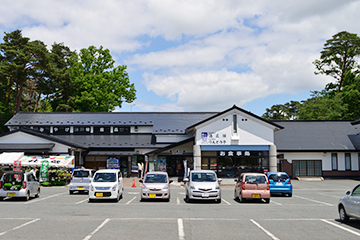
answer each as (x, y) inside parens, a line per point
(203, 185)
(80, 180)
(156, 185)
(349, 205)
(17, 184)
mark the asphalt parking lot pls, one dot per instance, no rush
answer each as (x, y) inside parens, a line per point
(310, 214)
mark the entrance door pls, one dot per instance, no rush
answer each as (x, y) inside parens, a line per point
(307, 168)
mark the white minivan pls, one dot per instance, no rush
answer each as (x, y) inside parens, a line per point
(106, 184)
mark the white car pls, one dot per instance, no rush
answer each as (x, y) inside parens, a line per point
(349, 205)
(203, 185)
(19, 185)
(106, 184)
(156, 185)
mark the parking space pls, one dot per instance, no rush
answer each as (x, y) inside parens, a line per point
(310, 213)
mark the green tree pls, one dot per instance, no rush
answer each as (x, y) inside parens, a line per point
(100, 86)
(338, 57)
(287, 111)
(322, 107)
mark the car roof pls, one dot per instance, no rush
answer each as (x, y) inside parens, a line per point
(260, 174)
(107, 171)
(277, 173)
(157, 172)
(202, 171)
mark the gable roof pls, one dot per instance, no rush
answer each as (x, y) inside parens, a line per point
(241, 110)
(315, 136)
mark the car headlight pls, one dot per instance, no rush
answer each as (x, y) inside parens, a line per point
(114, 187)
(144, 187)
(217, 186)
(192, 186)
(166, 187)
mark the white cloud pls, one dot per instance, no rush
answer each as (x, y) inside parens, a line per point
(219, 53)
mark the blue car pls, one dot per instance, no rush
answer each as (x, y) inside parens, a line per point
(280, 183)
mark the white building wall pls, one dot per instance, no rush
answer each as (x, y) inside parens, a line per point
(326, 159)
(250, 131)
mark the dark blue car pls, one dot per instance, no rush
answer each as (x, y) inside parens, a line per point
(280, 183)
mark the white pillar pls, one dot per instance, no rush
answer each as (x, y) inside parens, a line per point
(272, 158)
(197, 157)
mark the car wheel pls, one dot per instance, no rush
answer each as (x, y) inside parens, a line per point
(71, 192)
(219, 200)
(91, 200)
(1, 198)
(236, 197)
(27, 197)
(289, 194)
(267, 200)
(242, 200)
(38, 193)
(342, 214)
(188, 200)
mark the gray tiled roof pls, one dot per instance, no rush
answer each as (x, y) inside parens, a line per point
(315, 136)
(163, 123)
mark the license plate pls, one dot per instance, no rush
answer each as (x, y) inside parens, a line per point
(99, 194)
(152, 195)
(279, 183)
(256, 195)
(80, 188)
(205, 195)
(11, 194)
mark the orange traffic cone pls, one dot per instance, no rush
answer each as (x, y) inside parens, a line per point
(134, 183)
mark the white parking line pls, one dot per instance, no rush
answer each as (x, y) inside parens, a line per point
(226, 201)
(275, 202)
(85, 200)
(266, 231)
(177, 201)
(131, 200)
(97, 229)
(341, 227)
(324, 194)
(181, 229)
(22, 225)
(135, 193)
(312, 200)
(41, 199)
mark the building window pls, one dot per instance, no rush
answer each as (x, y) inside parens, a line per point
(234, 123)
(347, 161)
(334, 161)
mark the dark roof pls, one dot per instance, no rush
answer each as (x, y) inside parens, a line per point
(26, 147)
(239, 109)
(57, 139)
(163, 123)
(315, 136)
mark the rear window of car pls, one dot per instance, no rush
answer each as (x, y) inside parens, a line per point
(155, 178)
(13, 177)
(255, 179)
(81, 174)
(280, 177)
(105, 177)
(203, 177)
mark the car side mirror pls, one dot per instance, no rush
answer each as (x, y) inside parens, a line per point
(219, 180)
(170, 181)
(347, 193)
(141, 181)
(235, 180)
(186, 179)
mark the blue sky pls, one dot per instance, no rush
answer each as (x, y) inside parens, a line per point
(197, 55)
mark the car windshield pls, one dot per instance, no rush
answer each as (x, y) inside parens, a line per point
(203, 177)
(254, 179)
(155, 178)
(81, 174)
(280, 177)
(105, 177)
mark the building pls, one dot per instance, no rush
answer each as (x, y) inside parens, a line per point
(229, 142)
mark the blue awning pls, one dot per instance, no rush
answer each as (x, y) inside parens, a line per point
(234, 147)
